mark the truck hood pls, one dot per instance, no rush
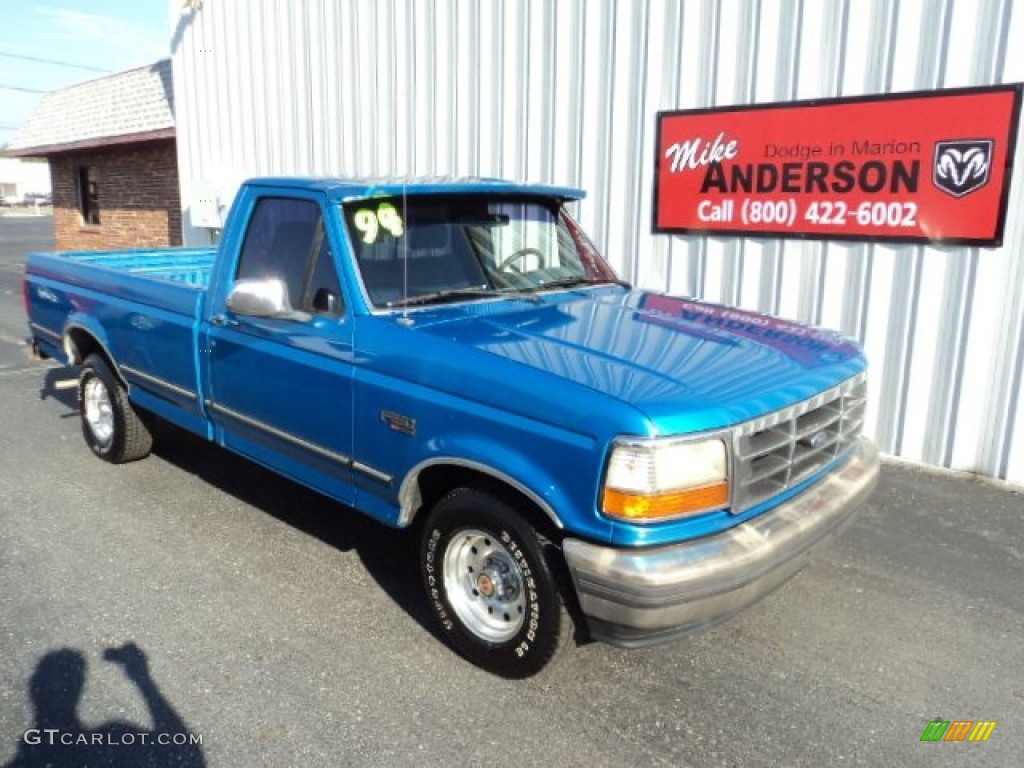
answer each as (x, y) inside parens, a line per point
(686, 364)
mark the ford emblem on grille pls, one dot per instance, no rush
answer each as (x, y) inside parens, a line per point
(818, 440)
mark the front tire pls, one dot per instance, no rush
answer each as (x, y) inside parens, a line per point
(490, 584)
(111, 426)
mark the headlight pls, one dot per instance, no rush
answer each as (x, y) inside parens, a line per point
(651, 480)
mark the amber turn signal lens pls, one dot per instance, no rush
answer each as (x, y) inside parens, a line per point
(632, 506)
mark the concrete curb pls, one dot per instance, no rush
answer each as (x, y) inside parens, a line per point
(28, 212)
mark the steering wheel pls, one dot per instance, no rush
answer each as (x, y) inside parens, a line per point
(519, 255)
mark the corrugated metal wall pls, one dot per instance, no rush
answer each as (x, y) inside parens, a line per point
(566, 91)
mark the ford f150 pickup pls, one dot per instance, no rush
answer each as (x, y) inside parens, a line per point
(457, 356)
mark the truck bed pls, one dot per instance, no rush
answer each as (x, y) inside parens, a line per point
(143, 307)
(182, 265)
(170, 279)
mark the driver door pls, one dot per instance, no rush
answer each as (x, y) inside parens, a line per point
(281, 387)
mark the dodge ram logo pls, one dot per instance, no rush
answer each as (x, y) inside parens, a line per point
(961, 167)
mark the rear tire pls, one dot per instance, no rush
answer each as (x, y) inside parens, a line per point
(112, 428)
(490, 584)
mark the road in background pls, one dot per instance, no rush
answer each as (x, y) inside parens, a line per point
(18, 236)
(287, 630)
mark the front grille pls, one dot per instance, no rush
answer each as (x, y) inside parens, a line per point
(779, 451)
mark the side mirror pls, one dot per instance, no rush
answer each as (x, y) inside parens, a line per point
(327, 302)
(259, 298)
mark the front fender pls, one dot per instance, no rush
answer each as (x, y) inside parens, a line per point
(567, 504)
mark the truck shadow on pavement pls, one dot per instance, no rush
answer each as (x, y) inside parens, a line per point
(61, 384)
(58, 738)
(393, 566)
(390, 556)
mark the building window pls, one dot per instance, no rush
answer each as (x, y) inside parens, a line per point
(88, 197)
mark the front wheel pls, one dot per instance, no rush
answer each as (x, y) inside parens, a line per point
(490, 584)
(111, 426)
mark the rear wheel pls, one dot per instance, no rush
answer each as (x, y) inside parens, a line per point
(110, 424)
(490, 584)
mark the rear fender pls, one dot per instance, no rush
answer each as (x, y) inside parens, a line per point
(83, 336)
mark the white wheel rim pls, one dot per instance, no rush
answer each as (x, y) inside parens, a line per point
(484, 585)
(98, 412)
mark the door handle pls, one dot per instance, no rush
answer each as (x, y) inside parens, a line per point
(223, 320)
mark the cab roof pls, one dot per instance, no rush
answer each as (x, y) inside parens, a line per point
(341, 189)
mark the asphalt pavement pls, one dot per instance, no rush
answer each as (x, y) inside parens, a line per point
(194, 593)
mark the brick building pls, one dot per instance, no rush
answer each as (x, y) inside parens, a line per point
(113, 160)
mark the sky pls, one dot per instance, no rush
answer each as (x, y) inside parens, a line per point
(96, 36)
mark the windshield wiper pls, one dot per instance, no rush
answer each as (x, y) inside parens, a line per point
(438, 297)
(572, 282)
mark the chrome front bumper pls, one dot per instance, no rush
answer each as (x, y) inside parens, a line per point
(642, 597)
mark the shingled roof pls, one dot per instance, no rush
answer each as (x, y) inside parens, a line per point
(126, 107)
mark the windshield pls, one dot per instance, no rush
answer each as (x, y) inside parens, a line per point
(463, 247)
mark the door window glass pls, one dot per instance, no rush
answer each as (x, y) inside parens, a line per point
(286, 241)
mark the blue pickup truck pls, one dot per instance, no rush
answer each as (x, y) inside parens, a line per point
(456, 356)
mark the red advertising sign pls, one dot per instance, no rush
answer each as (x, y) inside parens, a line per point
(912, 167)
